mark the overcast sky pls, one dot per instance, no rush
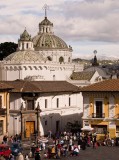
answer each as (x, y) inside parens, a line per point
(86, 25)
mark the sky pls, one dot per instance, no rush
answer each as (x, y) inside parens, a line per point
(86, 25)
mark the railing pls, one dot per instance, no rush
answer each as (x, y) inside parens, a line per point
(98, 115)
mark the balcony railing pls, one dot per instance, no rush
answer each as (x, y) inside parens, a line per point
(98, 115)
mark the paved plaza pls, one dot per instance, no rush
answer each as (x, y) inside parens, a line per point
(101, 153)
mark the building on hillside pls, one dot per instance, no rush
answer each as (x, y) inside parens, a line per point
(43, 57)
(101, 107)
(4, 108)
(43, 106)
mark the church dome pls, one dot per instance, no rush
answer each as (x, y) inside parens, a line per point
(24, 56)
(46, 39)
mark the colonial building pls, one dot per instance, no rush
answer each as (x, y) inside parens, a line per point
(42, 106)
(4, 108)
(101, 107)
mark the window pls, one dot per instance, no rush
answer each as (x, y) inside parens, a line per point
(30, 104)
(46, 103)
(1, 127)
(57, 102)
(100, 129)
(61, 59)
(99, 109)
(27, 45)
(22, 46)
(69, 101)
(49, 58)
(45, 123)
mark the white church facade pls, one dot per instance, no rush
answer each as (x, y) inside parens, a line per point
(45, 61)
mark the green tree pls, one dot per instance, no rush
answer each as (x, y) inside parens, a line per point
(73, 127)
(7, 48)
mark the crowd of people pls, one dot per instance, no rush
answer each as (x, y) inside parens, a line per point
(65, 144)
(61, 145)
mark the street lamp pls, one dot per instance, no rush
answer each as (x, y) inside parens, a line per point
(38, 111)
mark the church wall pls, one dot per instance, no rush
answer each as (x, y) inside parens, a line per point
(55, 55)
(12, 75)
(39, 71)
(64, 113)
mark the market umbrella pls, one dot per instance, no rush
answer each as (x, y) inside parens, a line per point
(87, 128)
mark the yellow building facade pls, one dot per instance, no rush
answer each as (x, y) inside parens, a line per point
(4, 109)
(101, 108)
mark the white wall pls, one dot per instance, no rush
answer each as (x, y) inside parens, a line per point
(64, 113)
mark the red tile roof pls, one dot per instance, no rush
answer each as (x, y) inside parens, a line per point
(42, 86)
(5, 86)
(107, 85)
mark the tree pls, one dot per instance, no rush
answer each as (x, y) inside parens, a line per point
(73, 127)
(7, 48)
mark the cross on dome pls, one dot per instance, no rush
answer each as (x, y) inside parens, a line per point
(45, 7)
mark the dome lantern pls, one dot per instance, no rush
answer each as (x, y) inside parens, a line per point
(25, 41)
(45, 26)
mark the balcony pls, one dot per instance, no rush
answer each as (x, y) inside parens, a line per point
(98, 115)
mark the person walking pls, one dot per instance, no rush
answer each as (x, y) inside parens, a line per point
(37, 155)
(94, 142)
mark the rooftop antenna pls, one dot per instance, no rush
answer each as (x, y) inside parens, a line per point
(45, 7)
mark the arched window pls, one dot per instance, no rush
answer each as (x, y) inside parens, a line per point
(61, 59)
(69, 59)
(22, 46)
(49, 58)
(47, 30)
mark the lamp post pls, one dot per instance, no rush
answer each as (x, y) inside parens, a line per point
(38, 111)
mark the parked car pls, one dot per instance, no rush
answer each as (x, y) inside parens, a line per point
(16, 148)
(5, 150)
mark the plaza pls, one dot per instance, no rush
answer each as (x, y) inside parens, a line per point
(100, 153)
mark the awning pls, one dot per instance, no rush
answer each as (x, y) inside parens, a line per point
(87, 128)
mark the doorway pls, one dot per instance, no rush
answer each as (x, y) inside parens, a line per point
(57, 126)
(30, 128)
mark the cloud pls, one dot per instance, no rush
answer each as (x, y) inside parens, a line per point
(74, 21)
